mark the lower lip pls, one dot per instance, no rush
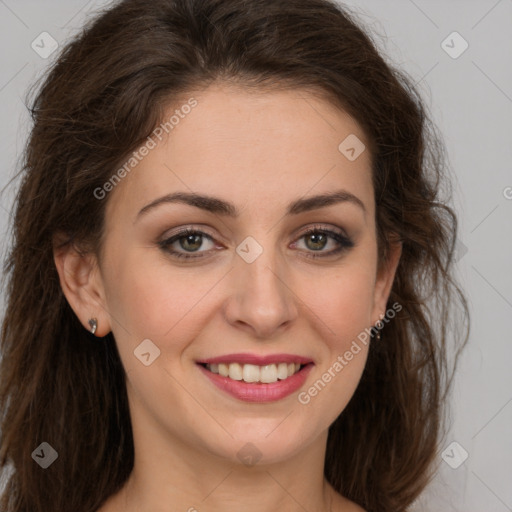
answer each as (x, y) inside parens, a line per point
(258, 392)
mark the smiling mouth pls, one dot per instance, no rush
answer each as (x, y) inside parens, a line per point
(254, 374)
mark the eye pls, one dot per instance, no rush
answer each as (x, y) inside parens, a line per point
(188, 240)
(317, 238)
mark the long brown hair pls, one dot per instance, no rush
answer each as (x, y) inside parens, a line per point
(101, 99)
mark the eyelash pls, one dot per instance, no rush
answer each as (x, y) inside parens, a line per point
(344, 242)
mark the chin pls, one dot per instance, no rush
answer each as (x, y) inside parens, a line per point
(261, 442)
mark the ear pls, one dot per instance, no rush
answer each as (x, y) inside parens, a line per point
(384, 281)
(82, 285)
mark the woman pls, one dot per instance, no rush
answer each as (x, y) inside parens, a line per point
(230, 281)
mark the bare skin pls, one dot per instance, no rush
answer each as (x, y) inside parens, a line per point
(260, 151)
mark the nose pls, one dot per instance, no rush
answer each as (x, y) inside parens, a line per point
(261, 300)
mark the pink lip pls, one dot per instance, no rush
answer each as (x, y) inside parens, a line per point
(258, 392)
(256, 359)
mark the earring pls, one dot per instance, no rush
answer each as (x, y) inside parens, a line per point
(377, 336)
(93, 323)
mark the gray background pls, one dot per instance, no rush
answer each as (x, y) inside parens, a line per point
(470, 98)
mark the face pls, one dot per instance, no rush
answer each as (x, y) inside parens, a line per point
(267, 284)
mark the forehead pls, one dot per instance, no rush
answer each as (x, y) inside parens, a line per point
(257, 148)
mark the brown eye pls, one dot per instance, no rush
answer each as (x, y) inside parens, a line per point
(191, 242)
(186, 241)
(316, 239)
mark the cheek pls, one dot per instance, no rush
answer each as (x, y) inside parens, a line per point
(344, 310)
(139, 298)
(343, 302)
(148, 298)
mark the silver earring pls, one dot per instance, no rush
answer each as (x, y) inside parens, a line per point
(377, 336)
(93, 323)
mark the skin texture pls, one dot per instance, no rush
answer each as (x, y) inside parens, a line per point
(261, 151)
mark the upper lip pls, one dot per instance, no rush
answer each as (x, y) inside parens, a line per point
(255, 359)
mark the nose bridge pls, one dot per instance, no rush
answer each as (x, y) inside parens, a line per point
(262, 298)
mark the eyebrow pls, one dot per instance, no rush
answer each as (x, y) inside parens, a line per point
(221, 207)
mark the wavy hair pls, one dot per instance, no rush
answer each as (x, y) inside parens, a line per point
(103, 96)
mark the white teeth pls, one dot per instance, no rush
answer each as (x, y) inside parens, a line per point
(253, 373)
(235, 371)
(268, 373)
(282, 371)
